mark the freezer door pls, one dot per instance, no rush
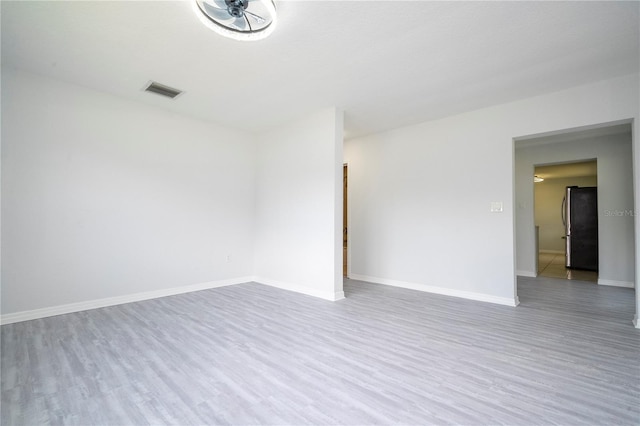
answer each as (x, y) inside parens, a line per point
(566, 204)
(582, 228)
(583, 231)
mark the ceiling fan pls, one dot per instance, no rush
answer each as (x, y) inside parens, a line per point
(238, 19)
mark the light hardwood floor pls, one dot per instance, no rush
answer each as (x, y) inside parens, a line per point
(251, 354)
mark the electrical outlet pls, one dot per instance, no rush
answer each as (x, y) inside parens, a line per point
(496, 207)
(228, 258)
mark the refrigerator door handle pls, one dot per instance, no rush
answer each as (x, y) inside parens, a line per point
(563, 211)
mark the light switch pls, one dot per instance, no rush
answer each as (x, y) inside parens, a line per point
(496, 207)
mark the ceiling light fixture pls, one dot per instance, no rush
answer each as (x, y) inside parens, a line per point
(238, 19)
(537, 179)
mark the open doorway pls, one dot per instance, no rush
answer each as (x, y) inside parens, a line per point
(567, 248)
(609, 143)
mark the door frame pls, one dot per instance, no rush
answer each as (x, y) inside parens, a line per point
(573, 161)
(346, 247)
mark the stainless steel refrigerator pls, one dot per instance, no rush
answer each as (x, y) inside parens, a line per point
(580, 217)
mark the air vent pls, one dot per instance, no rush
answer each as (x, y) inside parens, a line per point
(163, 90)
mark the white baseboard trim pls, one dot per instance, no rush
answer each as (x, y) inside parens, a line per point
(551, 251)
(332, 296)
(526, 274)
(614, 283)
(117, 300)
(481, 297)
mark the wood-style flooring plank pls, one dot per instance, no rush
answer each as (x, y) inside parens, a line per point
(251, 354)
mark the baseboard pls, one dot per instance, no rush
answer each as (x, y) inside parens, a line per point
(614, 283)
(526, 274)
(481, 297)
(118, 300)
(551, 251)
(332, 296)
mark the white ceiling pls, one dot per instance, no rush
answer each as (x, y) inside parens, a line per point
(386, 63)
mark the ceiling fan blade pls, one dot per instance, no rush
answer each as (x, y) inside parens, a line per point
(257, 18)
(214, 12)
(240, 23)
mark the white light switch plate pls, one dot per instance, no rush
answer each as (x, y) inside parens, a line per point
(496, 207)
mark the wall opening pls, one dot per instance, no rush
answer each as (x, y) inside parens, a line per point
(566, 249)
(612, 145)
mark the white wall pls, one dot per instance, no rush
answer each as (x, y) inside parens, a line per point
(299, 206)
(106, 201)
(419, 201)
(102, 197)
(420, 195)
(548, 196)
(615, 194)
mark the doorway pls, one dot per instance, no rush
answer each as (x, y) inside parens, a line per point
(554, 241)
(612, 145)
(345, 229)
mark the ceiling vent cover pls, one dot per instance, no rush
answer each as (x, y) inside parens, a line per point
(163, 90)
